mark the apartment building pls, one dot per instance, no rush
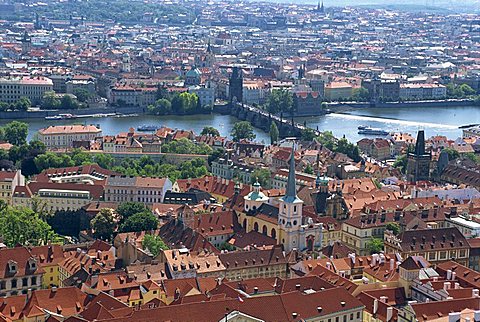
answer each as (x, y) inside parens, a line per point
(149, 190)
(422, 91)
(57, 196)
(33, 88)
(9, 180)
(63, 136)
(435, 245)
(132, 96)
(19, 272)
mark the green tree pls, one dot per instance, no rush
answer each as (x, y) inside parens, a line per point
(80, 157)
(154, 244)
(393, 227)
(243, 130)
(50, 101)
(308, 169)
(53, 160)
(103, 225)
(308, 134)
(105, 161)
(130, 208)
(327, 140)
(68, 103)
(361, 94)
(210, 130)
(274, 133)
(375, 245)
(280, 100)
(69, 222)
(161, 107)
(16, 132)
(21, 226)
(471, 156)
(263, 176)
(142, 221)
(23, 104)
(82, 94)
(186, 146)
(401, 163)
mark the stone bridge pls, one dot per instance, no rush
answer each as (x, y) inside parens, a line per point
(262, 119)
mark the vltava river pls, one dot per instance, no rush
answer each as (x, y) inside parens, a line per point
(435, 121)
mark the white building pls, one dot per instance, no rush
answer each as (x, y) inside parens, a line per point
(422, 91)
(63, 136)
(468, 227)
(33, 88)
(206, 93)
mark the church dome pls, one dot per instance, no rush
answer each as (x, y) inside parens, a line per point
(193, 73)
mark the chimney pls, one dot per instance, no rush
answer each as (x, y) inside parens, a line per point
(454, 276)
(392, 264)
(384, 299)
(389, 313)
(446, 285)
(54, 289)
(297, 287)
(449, 274)
(375, 306)
(255, 290)
(457, 285)
(475, 292)
(454, 317)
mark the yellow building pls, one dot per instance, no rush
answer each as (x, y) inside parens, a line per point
(336, 91)
(49, 258)
(9, 180)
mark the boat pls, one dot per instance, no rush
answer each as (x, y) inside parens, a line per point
(468, 126)
(362, 127)
(66, 116)
(147, 128)
(372, 131)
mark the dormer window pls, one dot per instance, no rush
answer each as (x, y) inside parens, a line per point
(12, 267)
(32, 264)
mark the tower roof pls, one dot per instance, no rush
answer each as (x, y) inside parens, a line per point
(420, 144)
(291, 193)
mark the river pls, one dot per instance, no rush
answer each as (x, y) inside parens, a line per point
(435, 121)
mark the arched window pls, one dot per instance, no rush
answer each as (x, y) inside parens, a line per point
(255, 226)
(264, 230)
(273, 233)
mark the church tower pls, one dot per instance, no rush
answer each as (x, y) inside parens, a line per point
(235, 85)
(126, 65)
(418, 165)
(26, 43)
(290, 212)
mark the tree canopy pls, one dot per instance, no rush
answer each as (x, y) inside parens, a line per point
(154, 244)
(141, 221)
(210, 130)
(242, 130)
(103, 225)
(21, 226)
(280, 100)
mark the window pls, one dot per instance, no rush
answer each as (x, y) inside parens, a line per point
(463, 253)
(431, 256)
(14, 283)
(358, 315)
(443, 255)
(351, 316)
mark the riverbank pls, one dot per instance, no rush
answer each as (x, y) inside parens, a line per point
(225, 109)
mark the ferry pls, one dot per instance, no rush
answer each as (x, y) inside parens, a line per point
(362, 127)
(372, 131)
(67, 116)
(147, 128)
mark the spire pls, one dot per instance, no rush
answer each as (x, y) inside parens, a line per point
(291, 185)
(420, 144)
